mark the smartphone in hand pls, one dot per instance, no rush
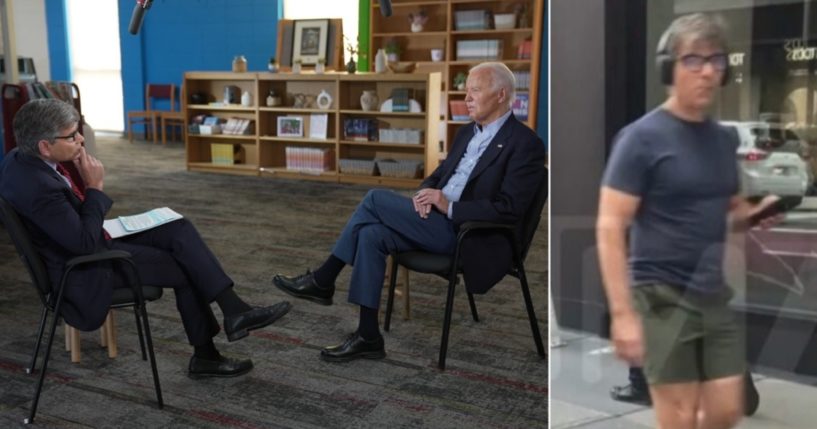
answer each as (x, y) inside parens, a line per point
(779, 206)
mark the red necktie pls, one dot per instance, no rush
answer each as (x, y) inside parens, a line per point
(78, 192)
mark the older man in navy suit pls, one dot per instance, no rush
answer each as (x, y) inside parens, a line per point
(491, 174)
(65, 221)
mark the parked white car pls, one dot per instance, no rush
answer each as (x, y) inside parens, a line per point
(771, 161)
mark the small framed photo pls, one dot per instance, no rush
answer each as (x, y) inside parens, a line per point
(290, 126)
(309, 41)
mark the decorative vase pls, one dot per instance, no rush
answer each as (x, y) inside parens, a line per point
(369, 100)
(239, 64)
(380, 61)
(296, 68)
(272, 67)
(319, 68)
(324, 100)
(273, 100)
(351, 67)
(246, 99)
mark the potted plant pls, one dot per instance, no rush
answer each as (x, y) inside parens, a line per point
(392, 50)
(296, 66)
(351, 67)
(459, 81)
(272, 66)
(319, 66)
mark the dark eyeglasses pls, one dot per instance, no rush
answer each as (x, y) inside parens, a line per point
(695, 62)
(70, 137)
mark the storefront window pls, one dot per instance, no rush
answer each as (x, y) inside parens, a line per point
(771, 99)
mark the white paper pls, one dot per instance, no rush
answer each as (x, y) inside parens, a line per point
(126, 225)
(318, 124)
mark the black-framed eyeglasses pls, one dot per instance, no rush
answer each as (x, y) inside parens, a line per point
(70, 137)
(695, 62)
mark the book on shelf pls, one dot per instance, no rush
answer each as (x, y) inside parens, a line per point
(479, 49)
(524, 50)
(520, 106)
(309, 159)
(522, 79)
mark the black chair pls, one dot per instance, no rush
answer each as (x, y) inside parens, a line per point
(450, 266)
(135, 296)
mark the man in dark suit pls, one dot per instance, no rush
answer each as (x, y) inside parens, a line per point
(65, 221)
(491, 174)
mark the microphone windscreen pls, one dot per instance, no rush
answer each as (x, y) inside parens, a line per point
(136, 19)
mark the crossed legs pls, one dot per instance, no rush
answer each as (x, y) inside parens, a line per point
(383, 223)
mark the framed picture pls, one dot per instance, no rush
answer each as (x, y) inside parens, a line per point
(290, 126)
(309, 41)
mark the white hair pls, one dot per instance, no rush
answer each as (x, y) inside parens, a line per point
(501, 77)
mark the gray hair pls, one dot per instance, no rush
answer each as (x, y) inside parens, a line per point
(696, 27)
(501, 77)
(42, 119)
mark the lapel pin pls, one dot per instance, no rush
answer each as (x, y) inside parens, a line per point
(499, 146)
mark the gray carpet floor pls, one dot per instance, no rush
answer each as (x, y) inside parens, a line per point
(258, 227)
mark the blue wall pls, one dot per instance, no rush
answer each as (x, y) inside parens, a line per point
(59, 55)
(193, 35)
(544, 101)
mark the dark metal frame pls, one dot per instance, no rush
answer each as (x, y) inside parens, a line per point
(453, 269)
(52, 302)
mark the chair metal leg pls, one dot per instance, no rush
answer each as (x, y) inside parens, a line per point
(473, 307)
(139, 331)
(33, 366)
(449, 307)
(39, 388)
(392, 284)
(149, 341)
(534, 325)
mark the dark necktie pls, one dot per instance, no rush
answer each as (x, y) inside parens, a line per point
(77, 191)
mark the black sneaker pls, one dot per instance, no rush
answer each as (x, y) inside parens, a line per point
(630, 393)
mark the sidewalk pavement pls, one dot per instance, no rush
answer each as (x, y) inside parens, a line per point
(584, 369)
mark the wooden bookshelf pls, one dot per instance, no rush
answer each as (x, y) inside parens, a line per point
(268, 149)
(441, 31)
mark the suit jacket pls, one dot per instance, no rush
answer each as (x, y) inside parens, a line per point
(500, 189)
(61, 227)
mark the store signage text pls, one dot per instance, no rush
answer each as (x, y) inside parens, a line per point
(798, 50)
(736, 59)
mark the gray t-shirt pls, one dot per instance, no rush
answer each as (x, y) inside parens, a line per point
(685, 174)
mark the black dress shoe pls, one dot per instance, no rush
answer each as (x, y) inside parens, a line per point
(632, 394)
(355, 347)
(305, 287)
(751, 397)
(222, 367)
(238, 326)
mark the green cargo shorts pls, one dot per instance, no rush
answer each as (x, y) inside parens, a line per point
(688, 337)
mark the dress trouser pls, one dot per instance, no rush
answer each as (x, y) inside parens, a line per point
(174, 256)
(385, 222)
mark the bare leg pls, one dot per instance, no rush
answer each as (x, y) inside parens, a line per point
(676, 404)
(721, 402)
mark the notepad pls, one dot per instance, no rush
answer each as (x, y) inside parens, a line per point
(126, 225)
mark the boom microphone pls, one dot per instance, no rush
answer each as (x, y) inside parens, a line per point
(138, 15)
(385, 7)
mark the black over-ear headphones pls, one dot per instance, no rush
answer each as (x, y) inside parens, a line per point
(665, 60)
